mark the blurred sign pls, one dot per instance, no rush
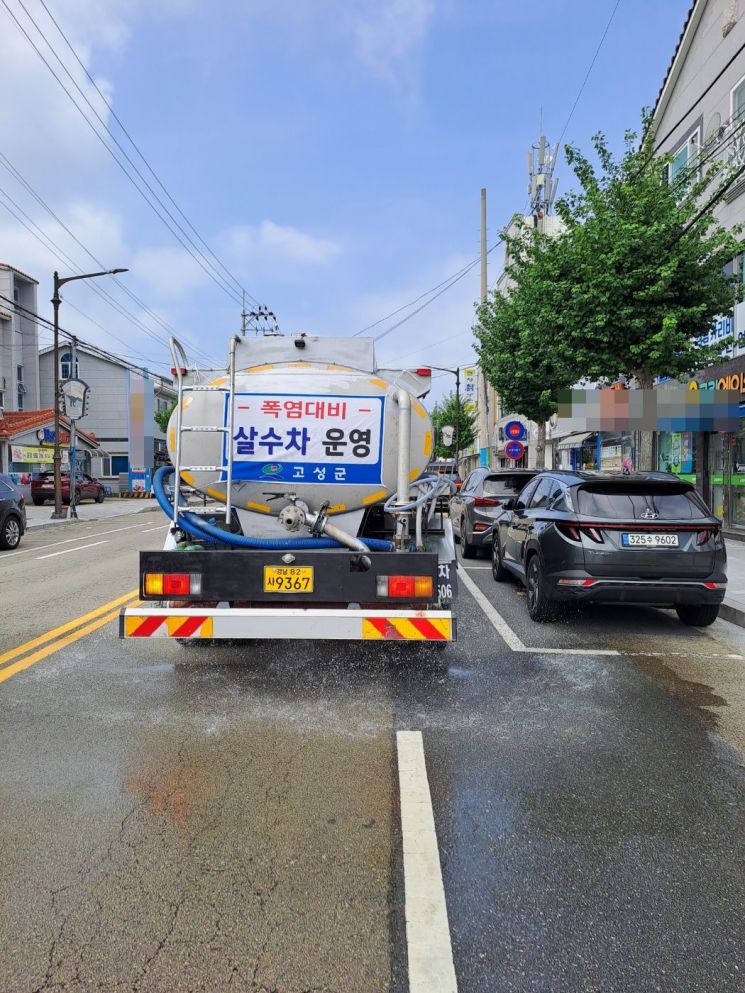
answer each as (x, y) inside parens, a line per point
(27, 453)
(470, 378)
(448, 433)
(139, 480)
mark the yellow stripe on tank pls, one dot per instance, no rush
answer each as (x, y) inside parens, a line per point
(419, 409)
(188, 477)
(262, 508)
(374, 497)
(428, 443)
(380, 382)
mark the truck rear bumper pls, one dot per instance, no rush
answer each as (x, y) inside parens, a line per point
(236, 623)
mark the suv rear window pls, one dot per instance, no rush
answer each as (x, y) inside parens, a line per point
(497, 485)
(631, 501)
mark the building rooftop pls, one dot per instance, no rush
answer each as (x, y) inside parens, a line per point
(12, 268)
(15, 422)
(678, 47)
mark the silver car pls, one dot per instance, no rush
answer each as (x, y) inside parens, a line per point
(475, 508)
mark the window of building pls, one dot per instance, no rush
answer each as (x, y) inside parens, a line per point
(738, 102)
(66, 371)
(20, 397)
(2, 399)
(19, 373)
(119, 463)
(684, 159)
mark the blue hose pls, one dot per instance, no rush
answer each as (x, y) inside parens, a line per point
(199, 528)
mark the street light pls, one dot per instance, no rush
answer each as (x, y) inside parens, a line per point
(456, 373)
(58, 512)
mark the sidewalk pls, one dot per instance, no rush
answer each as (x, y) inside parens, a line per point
(733, 608)
(42, 516)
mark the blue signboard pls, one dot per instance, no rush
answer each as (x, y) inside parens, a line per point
(307, 438)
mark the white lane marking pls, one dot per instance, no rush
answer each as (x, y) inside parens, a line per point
(498, 622)
(67, 541)
(65, 551)
(430, 954)
(160, 527)
(513, 642)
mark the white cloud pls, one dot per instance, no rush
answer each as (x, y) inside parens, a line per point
(388, 32)
(269, 244)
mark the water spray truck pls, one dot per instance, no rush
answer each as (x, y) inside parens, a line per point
(319, 520)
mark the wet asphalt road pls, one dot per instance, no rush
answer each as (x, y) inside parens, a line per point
(180, 818)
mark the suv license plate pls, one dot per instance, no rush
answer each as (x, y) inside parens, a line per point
(649, 540)
(288, 578)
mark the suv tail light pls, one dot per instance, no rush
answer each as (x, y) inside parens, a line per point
(486, 502)
(703, 536)
(172, 583)
(575, 531)
(405, 586)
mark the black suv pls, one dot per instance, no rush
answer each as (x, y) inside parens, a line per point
(12, 514)
(645, 538)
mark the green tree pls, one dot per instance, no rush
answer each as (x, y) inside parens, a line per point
(646, 264)
(445, 413)
(522, 339)
(162, 417)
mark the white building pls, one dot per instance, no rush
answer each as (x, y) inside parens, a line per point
(19, 341)
(124, 399)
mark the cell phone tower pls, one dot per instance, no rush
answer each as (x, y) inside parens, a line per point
(542, 185)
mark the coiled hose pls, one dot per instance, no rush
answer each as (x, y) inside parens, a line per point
(194, 525)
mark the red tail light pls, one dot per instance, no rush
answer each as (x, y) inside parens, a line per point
(485, 502)
(570, 531)
(405, 586)
(575, 532)
(703, 536)
(22, 499)
(424, 372)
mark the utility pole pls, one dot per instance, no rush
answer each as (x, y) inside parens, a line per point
(244, 317)
(457, 416)
(59, 511)
(73, 432)
(484, 290)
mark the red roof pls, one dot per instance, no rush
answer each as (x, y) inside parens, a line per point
(15, 422)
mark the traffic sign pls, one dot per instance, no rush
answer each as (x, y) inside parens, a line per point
(514, 450)
(515, 430)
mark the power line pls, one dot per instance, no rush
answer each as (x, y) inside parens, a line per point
(587, 75)
(200, 258)
(450, 283)
(45, 324)
(29, 224)
(141, 155)
(100, 291)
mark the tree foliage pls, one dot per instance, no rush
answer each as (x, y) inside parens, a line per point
(445, 413)
(647, 262)
(162, 417)
(634, 278)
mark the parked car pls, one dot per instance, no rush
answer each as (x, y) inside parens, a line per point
(645, 538)
(12, 513)
(479, 503)
(86, 488)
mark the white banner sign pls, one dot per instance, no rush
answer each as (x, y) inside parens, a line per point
(303, 438)
(470, 389)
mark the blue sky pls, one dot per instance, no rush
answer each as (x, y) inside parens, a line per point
(331, 152)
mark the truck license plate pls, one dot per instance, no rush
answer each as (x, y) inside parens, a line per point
(288, 578)
(650, 540)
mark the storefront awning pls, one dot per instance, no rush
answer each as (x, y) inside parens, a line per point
(575, 440)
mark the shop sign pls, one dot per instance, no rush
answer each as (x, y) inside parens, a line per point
(46, 436)
(470, 376)
(734, 381)
(23, 453)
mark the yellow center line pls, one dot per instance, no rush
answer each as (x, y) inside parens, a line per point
(11, 670)
(57, 632)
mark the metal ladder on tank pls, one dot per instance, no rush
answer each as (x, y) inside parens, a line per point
(180, 367)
